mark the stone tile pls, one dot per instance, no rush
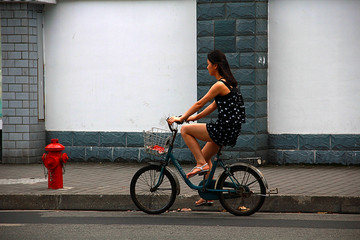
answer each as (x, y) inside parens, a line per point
(245, 26)
(241, 10)
(225, 44)
(247, 60)
(245, 143)
(112, 139)
(245, 43)
(86, 138)
(314, 142)
(333, 157)
(225, 27)
(283, 141)
(244, 76)
(135, 139)
(205, 28)
(345, 142)
(205, 44)
(210, 11)
(299, 157)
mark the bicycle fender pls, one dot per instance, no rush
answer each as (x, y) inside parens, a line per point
(172, 174)
(254, 169)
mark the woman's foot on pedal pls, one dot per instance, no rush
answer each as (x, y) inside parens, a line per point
(203, 202)
(197, 170)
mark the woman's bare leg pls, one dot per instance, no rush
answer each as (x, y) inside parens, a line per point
(195, 131)
(208, 151)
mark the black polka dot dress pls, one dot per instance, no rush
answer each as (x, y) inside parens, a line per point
(227, 127)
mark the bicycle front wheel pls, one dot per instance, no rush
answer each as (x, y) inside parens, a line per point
(151, 192)
(245, 191)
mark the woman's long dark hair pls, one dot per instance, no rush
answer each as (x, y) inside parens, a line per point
(219, 58)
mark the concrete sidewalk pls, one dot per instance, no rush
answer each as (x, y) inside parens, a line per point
(96, 186)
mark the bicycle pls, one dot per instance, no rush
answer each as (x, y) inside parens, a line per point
(241, 188)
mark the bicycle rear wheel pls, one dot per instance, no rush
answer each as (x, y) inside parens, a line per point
(146, 196)
(248, 191)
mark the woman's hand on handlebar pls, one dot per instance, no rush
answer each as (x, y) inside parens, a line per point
(175, 119)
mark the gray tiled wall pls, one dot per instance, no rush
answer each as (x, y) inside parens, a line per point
(314, 149)
(23, 135)
(238, 28)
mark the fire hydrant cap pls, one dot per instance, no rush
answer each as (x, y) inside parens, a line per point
(54, 145)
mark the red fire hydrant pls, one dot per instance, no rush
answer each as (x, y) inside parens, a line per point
(54, 161)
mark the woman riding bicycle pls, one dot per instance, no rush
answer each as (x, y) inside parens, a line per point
(227, 127)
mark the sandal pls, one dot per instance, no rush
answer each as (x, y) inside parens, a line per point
(197, 170)
(203, 202)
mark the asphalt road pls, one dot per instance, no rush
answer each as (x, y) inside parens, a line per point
(175, 225)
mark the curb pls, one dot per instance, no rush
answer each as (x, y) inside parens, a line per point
(276, 204)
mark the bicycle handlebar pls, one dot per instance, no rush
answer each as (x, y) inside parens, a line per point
(174, 127)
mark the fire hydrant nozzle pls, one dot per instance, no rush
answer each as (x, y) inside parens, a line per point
(54, 161)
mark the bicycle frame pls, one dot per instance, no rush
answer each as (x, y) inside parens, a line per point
(206, 186)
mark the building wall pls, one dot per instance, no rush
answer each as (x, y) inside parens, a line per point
(240, 29)
(124, 71)
(314, 81)
(23, 134)
(237, 28)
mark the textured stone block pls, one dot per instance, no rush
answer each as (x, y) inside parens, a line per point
(248, 92)
(261, 76)
(240, 10)
(261, 92)
(112, 139)
(86, 138)
(126, 154)
(283, 141)
(76, 154)
(205, 44)
(261, 141)
(134, 139)
(261, 9)
(345, 142)
(355, 160)
(210, 11)
(261, 125)
(225, 44)
(248, 127)
(261, 60)
(202, 61)
(245, 26)
(275, 157)
(245, 43)
(249, 109)
(97, 154)
(233, 60)
(261, 43)
(244, 76)
(203, 78)
(314, 142)
(247, 60)
(299, 157)
(65, 138)
(245, 143)
(205, 28)
(333, 157)
(225, 27)
(202, 90)
(183, 155)
(261, 26)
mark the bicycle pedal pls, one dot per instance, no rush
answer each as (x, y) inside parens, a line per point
(203, 173)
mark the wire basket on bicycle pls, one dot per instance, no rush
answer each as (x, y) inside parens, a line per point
(157, 141)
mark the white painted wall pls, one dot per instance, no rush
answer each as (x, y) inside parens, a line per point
(314, 67)
(118, 65)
